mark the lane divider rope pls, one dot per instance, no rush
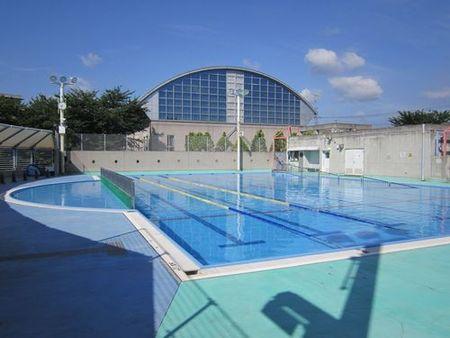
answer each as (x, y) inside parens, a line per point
(203, 185)
(296, 231)
(204, 200)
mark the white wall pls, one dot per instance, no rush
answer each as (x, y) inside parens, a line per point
(387, 151)
(166, 160)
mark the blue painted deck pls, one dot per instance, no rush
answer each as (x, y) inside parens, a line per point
(71, 273)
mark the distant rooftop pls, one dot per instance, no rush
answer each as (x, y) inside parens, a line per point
(11, 96)
(336, 127)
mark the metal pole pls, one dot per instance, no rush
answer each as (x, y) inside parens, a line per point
(238, 131)
(422, 160)
(61, 124)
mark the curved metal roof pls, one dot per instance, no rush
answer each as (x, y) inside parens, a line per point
(240, 69)
(18, 137)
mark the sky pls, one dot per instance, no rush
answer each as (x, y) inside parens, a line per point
(357, 61)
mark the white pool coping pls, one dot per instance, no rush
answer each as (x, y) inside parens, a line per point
(9, 199)
(316, 258)
(180, 263)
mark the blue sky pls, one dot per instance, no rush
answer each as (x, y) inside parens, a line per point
(360, 61)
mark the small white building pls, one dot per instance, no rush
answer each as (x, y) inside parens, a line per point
(410, 151)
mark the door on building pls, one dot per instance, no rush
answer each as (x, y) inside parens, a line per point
(325, 163)
(354, 161)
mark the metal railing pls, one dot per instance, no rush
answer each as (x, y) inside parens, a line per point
(104, 142)
(192, 142)
(19, 159)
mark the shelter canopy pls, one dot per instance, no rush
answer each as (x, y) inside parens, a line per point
(18, 137)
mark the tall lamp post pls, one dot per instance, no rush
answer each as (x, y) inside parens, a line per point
(239, 93)
(62, 81)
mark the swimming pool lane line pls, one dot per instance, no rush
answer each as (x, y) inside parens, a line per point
(204, 200)
(209, 225)
(203, 185)
(253, 195)
(277, 224)
(252, 212)
(353, 218)
(379, 224)
(299, 206)
(388, 182)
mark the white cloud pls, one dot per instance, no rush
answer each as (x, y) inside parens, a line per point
(327, 61)
(91, 60)
(323, 60)
(251, 64)
(310, 96)
(352, 60)
(356, 88)
(438, 94)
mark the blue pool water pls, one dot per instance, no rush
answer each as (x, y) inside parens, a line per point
(229, 218)
(91, 194)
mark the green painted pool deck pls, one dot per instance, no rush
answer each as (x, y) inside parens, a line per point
(404, 294)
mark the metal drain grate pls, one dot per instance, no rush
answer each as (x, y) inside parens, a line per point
(115, 248)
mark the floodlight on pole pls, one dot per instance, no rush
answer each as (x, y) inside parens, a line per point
(62, 82)
(239, 93)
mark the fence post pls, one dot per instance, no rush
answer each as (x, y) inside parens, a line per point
(14, 154)
(104, 142)
(81, 142)
(126, 142)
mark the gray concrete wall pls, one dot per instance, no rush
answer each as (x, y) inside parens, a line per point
(387, 151)
(166, 160)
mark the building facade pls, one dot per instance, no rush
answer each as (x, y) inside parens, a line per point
(409, 151)
(205, 96)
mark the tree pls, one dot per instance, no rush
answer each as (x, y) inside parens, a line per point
(223, 144)
(11, 110)
(280, 143)
(420, 116)
(41, 112)
(259, 142)
(121, 112)
(244, 145)
(116, 111)
(199, 142)
(308, 133)
(84, 113)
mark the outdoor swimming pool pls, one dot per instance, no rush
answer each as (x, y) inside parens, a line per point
(227, 218)
(87, 194)
(233, 218)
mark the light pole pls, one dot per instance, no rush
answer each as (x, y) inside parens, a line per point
(239, 93)
(62, 82)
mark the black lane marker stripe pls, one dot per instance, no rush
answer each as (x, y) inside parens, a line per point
(228, 236)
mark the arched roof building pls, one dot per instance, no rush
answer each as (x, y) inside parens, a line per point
(204, 95)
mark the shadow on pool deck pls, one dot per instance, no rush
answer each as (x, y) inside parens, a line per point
(214, 307)
(288, 310)
(389, 295)
(57, 284)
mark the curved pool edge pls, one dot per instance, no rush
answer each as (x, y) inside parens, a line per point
(59, 180)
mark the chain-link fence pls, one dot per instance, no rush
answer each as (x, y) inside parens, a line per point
(192, 142)
(105, 142)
